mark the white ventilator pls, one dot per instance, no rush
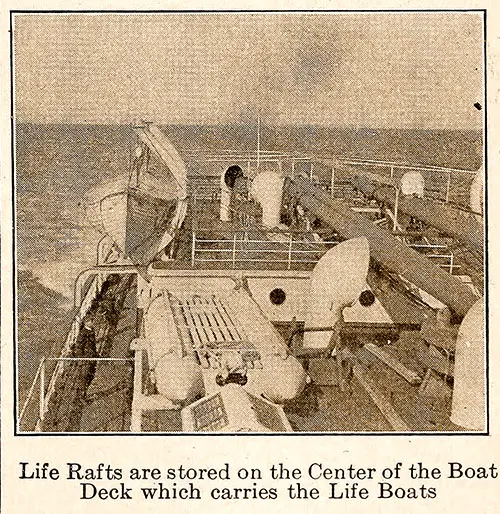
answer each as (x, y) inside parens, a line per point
(412, 183)
(267, 189)
(336, 282)
(468, 404)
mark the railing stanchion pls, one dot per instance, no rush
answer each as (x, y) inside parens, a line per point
(396, 205)
(448, 184)
(234, 251)
(31, 392)
(290, 252)
(193, 249)
(42, 390)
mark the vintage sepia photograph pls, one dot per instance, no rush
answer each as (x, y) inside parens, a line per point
(258, 222)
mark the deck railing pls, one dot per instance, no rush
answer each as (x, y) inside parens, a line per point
(441, 183)
(437, 253)
(47, 390)
(287, 251)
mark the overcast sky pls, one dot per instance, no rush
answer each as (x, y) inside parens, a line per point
(419, 70)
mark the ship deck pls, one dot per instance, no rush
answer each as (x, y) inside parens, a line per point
(210, 250)
(226, 248)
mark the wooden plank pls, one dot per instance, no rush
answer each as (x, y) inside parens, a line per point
(195, 337)
(212, 330)
(201, 320)
(441, 335)
(380, 400)
(182, 329)
(198, 325)
(433, 386)
(219, 335)
(409, 375)
(228, 321)
(432, 358)
(324, 372)
(193, 331)
(222, 325)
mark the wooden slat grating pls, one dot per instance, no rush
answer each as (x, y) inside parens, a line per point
(204, 323)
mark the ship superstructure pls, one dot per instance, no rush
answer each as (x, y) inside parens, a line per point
(252, 278)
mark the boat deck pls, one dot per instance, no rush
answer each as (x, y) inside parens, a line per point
(205, 242)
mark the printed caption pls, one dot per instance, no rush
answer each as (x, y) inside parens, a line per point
(318, 480)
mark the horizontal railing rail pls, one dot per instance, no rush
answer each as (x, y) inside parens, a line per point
(441, 183)
(240, 249)
(246, 250)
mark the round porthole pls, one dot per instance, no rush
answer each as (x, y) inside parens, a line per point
(277, 296)
(366, 298)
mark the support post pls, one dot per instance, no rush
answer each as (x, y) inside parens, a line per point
(136, 415)
(290, 251)
(234, 251)
(332, 183)
(396, 205)
(258, 143)
(193, 249)
(42, 390)
(448, 184)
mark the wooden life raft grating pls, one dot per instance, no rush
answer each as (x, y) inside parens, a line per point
(205, 323)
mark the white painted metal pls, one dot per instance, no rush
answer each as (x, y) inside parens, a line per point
(225, 200)
(336, 282)
(468, 404)
(412, 183)
(267, 189)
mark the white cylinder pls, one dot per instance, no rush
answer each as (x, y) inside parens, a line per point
(225, 203)
(282, 379)
(468, 404)
(267, 189)
(179, 378)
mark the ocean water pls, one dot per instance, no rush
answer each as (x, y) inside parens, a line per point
(57, 164)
